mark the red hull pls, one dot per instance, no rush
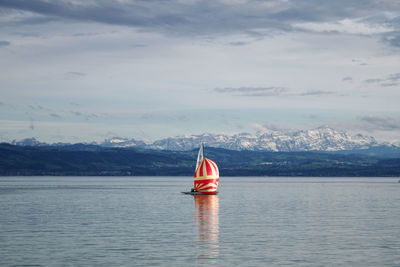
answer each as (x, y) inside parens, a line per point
(206, 186)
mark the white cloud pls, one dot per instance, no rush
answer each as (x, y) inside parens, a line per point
(349, 26)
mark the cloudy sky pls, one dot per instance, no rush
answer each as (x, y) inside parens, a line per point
(86, 70)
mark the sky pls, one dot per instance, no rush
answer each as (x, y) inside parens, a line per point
(87, 70)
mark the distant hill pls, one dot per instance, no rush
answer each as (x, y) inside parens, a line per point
(81, 159)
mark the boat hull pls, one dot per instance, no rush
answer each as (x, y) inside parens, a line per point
(199, 193)
(206, 186)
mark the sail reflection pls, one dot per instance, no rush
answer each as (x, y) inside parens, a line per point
(207, 228)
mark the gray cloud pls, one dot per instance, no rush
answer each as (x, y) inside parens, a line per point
(389, 84)
(373, 81)
(36, 107)
(272, 127)
(347, 79)
(54, 115)
(138, 45)
(76, 113)
(4, 43)
(252, 91)
(86, 34)
(359, 62)
(206, 17)
(28, 34)
(75, 73)
(238, 43)
(87, 116)
(31, 125)
(381, 123)
(163, 117)
(269, 91)
(316, 93)
(392, 38)
(390, 80)
(394, 77)
(311, 117)
(75, 104)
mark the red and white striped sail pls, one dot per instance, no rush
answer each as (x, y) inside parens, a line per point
(206, 177)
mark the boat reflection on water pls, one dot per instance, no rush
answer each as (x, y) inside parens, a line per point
(207, 228)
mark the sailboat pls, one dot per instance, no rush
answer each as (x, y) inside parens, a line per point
(206, 176)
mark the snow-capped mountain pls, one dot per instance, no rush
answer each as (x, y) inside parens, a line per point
(28, 142)
(122, 142)
(320, 139)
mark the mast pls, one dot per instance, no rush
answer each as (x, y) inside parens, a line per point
(200, 156)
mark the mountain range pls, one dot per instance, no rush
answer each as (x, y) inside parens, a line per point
(319, 139)
(317, 152)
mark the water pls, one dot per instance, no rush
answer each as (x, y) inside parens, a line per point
(146, 221)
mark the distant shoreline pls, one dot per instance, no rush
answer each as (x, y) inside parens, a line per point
(99, 161)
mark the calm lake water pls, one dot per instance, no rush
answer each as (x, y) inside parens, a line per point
(146, 221)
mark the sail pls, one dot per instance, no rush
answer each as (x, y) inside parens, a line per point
(200, 156)
(206, 176)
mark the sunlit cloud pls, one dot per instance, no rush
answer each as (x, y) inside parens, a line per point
(349, 26)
